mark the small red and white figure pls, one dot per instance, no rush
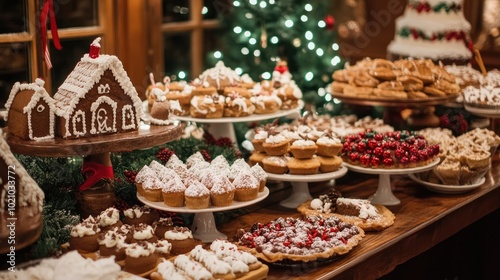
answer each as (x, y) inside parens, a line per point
(95, 48)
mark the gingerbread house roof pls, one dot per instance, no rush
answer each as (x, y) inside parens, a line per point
(29, 193)
(38, 92)
(86, 74)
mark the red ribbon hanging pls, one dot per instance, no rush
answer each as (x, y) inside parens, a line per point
(95, 172)
(48, 9)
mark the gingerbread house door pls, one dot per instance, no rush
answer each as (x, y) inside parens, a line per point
(103, 112)
(40, 121)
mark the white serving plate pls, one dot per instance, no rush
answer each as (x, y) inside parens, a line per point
(448, 189)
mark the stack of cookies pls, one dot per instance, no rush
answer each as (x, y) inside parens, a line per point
(401, 79)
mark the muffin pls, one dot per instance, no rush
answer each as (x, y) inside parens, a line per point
(161, 226)
(145, 173)
(194, 159)
(181, 239)
(303, 166)
(247, 186)
(303, 149)
(197, 196)
(140, 214)
(143, 232)
(173, 192)
(276, 145)
(222, 192)
(238, 166)
(275, 164)
(328, 146)
(261, 175)
(112, 244)
(152, 188)
(181, 93)
(140, 258)
(108, 219)
(83, 236)
(329, 164)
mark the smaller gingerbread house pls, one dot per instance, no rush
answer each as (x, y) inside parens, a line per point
(21, 202)
(97, 98)
(30, 111)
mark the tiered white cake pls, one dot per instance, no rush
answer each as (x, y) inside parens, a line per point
(435, 29)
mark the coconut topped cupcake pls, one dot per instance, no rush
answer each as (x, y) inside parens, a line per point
(194, 159)
(197, 196)
(247, 186)
(145, 173)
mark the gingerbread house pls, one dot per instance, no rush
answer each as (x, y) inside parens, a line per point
(97, 98)
(21, 203)
(30, 111)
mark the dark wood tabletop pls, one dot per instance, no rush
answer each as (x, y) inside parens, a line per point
(423, 219)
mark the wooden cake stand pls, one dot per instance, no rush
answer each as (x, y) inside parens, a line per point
(97, 149)
(422, 115)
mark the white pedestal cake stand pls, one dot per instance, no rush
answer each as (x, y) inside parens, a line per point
(384, 194)
(490, 112)
(223, 127)
(300, 187)
(204, 227)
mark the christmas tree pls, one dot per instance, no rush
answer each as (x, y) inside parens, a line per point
(259, 33)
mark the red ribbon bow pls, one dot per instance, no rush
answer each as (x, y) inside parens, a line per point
(48, 8)
(95, 172)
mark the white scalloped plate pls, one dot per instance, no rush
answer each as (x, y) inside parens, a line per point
(448, 189)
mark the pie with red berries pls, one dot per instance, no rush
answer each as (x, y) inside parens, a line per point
(398, 149)
(313, 238)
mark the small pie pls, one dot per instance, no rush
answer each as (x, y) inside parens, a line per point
(296, 239)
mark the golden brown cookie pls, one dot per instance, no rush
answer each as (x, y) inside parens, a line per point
(338, 86)
(434, 91)
(411, 83)
(417, 95)
(382, 73)
(391, 85)
(342, 75)
(363, 79)
(358, 91)
(383, 63)
(391, 94)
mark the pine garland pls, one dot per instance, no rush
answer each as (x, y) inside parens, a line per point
(59, 178)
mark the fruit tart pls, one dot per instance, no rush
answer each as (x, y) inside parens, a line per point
(304, 240)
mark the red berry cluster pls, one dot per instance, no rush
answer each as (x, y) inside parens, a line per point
(224, 142)
(164, 154)
(130, 175)
(389, 150)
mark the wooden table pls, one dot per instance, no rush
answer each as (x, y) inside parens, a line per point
(423, 219)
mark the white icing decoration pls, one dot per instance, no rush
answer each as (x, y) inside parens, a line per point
(103, 89)
(128, 117)
(79, 118)
(193, 269)
(100, 115)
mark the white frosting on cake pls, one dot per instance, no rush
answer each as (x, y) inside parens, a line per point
(218, 73)
(432, 23)
(196, 189)
(261, 135)
(303, 143)
(258, 172)
(86, 227)
(366, 209)
(328, 141)
(111, 239)
(486, 95)
(194, 158)
(221, 185)
(144, 173)
(136, 211)
(245, 179)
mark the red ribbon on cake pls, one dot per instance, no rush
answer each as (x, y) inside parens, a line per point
(48, 9)
(96, 172)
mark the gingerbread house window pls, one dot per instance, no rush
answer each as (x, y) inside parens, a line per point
(103, 115)
(79, 123)
(128, 117)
